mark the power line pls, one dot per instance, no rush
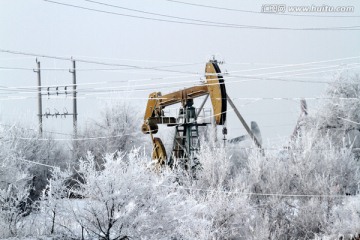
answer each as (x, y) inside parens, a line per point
(302, 64)
(13, 58)
(156, 68)
(115, 89)
(228, 82)
(204, 24)
(36, 163)
(348, 120)
(169, 16)
(92, 138)
(89, 69)
(113, 81)
(87, 95)
(295, 98)
(34, 88)
(256, 12)
(137, 60)
(207, 117)
(259, 194)
(356, 65)
(147, 18)
(317, 72)
(243, 76)
(274, 66)
(31, 129)
(73, 139)
(160, 68)
(60, 133)
(264, 126)
(99, 91)
(189, 81)
(16, 68)
(103, 90)
(116, 136)
(278, 78)
(175, 63)
(162, 15)
(243, 98)
(186, 64)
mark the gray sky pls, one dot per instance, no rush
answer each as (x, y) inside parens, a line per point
(41, 27)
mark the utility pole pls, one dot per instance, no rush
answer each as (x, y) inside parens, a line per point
(49, 93)
(73, 71)
(40, 115)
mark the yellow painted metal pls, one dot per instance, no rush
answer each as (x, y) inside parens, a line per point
(149, 127)
(214, 86)
(182, 95)
(157, 101)
(217, 94)
(159, 152)
(152, 105)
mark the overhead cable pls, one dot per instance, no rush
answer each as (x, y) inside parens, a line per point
(155, 68)
(230, 76)
(160, 68)
(36, 163)
(237, 26)
(258, 194)
(262, 13)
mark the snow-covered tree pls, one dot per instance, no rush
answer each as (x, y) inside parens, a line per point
(124, 200)
(13, 207)
(33, 154)
(117, 130)
(14, 187)
(305, 190)
(53, 201)
(338, 117)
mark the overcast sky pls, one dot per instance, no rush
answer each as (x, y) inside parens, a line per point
(44, 28)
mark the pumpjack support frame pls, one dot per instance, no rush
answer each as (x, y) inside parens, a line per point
(186, 141)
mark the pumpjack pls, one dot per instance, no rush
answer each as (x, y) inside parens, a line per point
(186, 140)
